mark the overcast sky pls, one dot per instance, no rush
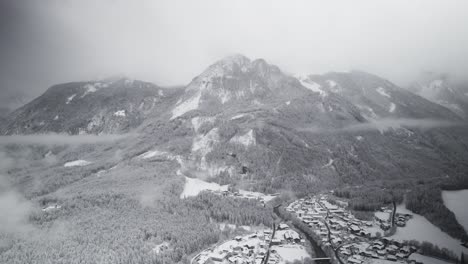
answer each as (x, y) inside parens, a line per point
(170, 42)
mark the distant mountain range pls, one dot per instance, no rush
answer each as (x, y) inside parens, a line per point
(247, 122)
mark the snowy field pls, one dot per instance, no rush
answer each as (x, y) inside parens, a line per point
(290, 253)
(194, 186)
(426, 259)
(456, 202)
(419, 228)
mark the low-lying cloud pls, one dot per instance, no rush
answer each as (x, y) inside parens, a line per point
(60, 139)
(383, 125)
(15, 210)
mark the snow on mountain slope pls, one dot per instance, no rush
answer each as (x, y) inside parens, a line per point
(443, 90)
(110, 106)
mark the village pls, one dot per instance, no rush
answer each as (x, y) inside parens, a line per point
(266, 246)
(354, 241)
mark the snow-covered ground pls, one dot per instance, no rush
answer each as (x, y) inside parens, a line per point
(247, 139)
(456, 202)
(383, 92)
(385, 216)
(70, 98)
(198, 121)
(248, 194)
(203, 144)
(426, 259)
(77, 163)
(194, 186)
(313, 86)
(120, 113)
(186, 106)
(419, 228)
(152, 153)
(381, 261)
(290, 253)
(51, 207)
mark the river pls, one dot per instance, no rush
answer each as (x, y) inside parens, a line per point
(317, 250)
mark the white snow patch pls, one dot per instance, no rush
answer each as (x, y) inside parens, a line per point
(77, 163)
(313, 86)
(197, 122)
(223, 226)
(256, 195)
(160, 247)
(120, 113)
(419, 228)
(456, 202)
(383, 92)
(152, 153)
(190, 104)
(203, 144)
(194, 186)
(330, 162)
(89, 88)
(51, 207)
(238, 116)
(70, 98)
(392, 108)
(247, 139)
(288, 102)
(331, 83)
(360, 138)
(291, 253)
(56, 117)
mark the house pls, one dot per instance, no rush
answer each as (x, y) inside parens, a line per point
(385, 226)
(283, 226)
(400, 223)
(218, 256)
(354, 229)
(381, 252)
(391, 257)
(275, 241)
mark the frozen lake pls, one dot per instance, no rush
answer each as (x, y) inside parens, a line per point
(419, 228)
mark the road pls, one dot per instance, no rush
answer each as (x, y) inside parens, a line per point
(335, 249)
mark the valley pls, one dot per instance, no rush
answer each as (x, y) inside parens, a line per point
(245, 164)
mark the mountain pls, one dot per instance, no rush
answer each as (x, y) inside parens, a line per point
(376, 97)
(248, 123)
(443, 90)
(108, 106)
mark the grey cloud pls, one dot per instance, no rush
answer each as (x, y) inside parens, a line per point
(170, 42)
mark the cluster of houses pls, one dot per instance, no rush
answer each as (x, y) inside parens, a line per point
(382, 248)
(352, 239)
(255, 248)
(251, 248)
(401, 219)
